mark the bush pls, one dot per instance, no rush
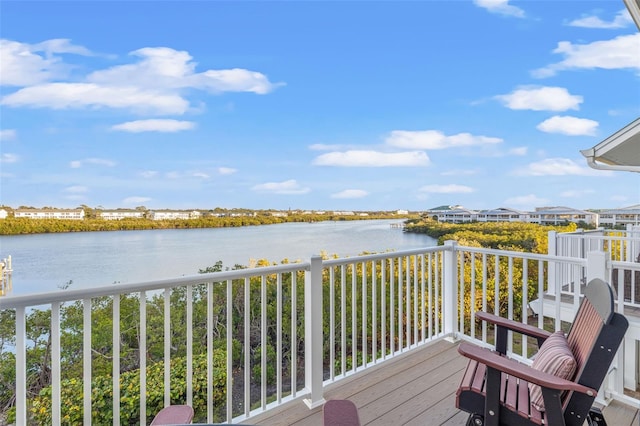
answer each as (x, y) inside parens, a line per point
(102, 393)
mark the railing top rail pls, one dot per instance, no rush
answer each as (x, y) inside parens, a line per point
(601, 237)
(385, 255)
(37, 299)
(625, 265)
(524, 255)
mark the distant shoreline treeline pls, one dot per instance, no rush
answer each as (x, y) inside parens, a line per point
(516, 236)
(21, 226)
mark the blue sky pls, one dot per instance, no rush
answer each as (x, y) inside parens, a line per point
(314, 105)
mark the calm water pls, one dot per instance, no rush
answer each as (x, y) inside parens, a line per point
(43, 262)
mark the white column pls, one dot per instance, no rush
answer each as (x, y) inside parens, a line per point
(450, 291)
(313, 333)
(552, 250)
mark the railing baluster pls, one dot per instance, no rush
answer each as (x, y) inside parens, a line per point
(484, 295)
(415, 300)
(189, 378)
(422, 299)
(21, 366)
(472, 297)
(383, 308)
(332, 324)
(167, 347)
(392, 309)
(279, 338)
(210, 288)
(354, 325)
(294, 334)
(525, 303)
(229, 337)
(247, 346)
(55, 365)
(400, 310)
(343, 317)
(364, 314)
(86, 360)
(510, 301)
(142, 357)
(116, 359)
(263, 341)
(374, 313)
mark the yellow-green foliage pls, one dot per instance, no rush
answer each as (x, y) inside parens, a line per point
(102, 393)
(528, 237)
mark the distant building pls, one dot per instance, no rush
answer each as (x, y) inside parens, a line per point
(560, 215)
(73, 214)
(121, 214)
(3, 214)
(453, 214)
(620, 217)
(502, 214)
(339, 213)
(173, 214)
(402, 211)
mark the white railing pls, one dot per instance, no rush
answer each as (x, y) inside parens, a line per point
(232, 344)
(621, 245)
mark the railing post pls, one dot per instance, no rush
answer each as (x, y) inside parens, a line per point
(597, 268)
(450, 290)
(552, 250)
(313, 351)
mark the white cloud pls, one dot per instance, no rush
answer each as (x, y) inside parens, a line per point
(571, 126)
(7, 134)
(521, 150)
(201, 175)
(577, 193)
(526, 202)
(559, 167)
(135, 200)
(9, 158)
(154, 125)
(435, 139)
(155, 83)
(226, 170)
(163, 67)
(350, 193)
(287, 187)
(76, 164)
(357, 158)
(459, 173)
(501, 7)
(325, 147)
(22, 65)
(447, 189)
(541, 99)
(76, 189)
(621, 20)
(89, 95)
(618, 53)
(149, 174)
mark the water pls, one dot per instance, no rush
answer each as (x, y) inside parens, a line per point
(44, 262)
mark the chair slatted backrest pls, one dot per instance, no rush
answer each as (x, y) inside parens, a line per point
(594, 338)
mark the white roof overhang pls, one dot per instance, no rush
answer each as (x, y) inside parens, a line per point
(620, 151)
(634, 9)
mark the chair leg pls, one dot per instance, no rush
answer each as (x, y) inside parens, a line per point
(595, 417)
(475, 420)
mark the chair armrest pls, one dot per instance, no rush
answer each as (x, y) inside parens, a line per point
(493, 360)
(505, 324)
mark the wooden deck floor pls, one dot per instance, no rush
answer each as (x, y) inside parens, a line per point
(417, 388)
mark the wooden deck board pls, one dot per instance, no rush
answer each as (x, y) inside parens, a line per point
(415, 388)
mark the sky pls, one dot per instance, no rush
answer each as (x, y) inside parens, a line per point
(314, 105)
